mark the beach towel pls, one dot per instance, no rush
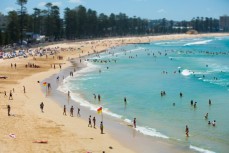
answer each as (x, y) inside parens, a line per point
(12, 136)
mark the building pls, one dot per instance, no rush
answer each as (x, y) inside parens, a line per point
(224, 23)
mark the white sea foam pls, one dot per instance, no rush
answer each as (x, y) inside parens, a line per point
(220, 38)
(219, 68)
(136, 49)
(127, 120)
(65, 87)
(166, 43)
(132, 50)
(85, 103)
(147, 131)
(171, 43)
(198, 43)
(186, 72)
(150, 132)
(200, 149)
(78, 98)
(106, 55)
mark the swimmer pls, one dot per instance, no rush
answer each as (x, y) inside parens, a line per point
(214, 123)
(181, 95)
(206, 116)
(209, 102)
(191, 102)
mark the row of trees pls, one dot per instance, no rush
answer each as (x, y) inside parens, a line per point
(86, 23)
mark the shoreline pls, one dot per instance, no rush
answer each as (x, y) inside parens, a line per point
(116, 127)
(51, 121)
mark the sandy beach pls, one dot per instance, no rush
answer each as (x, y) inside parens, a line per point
(62, 133)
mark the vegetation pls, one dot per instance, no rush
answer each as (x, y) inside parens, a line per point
(86, 23)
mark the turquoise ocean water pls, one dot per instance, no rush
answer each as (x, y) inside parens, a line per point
(199, 68)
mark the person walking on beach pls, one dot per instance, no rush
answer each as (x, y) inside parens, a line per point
(89, 121)
(134, 122)
(5, 94)
(187, 131)
(15, 65)
(11, 95)
(8, 109)
(49, 86)
(78, 112)
(94, 121)
(71, 111)
(64, 113)
(24, 88)
(42, 107)
(101, 127)
(68, 94)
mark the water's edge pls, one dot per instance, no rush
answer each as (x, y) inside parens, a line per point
(118, 129)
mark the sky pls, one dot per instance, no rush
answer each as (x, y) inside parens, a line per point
(177, 10)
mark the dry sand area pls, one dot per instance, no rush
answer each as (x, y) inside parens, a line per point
(64, 133)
